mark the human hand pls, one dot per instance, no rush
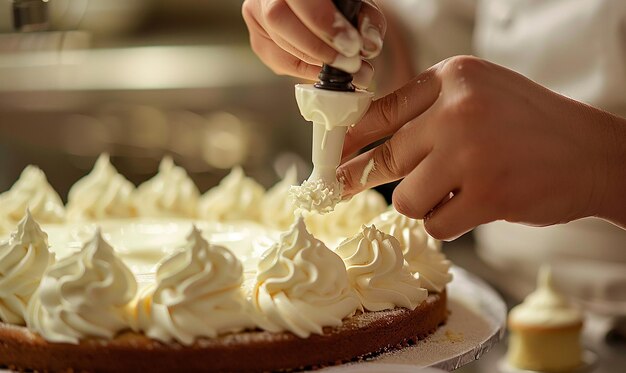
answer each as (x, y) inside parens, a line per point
(475, 142)
(294, 37)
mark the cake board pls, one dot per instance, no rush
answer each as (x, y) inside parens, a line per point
(477, 322)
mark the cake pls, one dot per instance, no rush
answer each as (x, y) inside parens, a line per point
(545, 330)
(160, 277)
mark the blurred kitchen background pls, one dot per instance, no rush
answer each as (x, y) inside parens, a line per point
(139, 79)
(143, 78)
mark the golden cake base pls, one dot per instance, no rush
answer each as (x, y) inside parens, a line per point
(362, 335)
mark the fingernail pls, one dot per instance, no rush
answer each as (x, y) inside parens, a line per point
(348, 41)
(372, 39)
(348, 64)
(363, 78)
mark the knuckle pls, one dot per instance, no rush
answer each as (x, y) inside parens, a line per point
(387, 161)
(275, 11)
(247, 10)
(321, 51)
(402, 203)
(387, 109)
(323, 19)
(463, 66)
(300, 68)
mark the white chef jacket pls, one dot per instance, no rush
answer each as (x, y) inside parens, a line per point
(576, 48)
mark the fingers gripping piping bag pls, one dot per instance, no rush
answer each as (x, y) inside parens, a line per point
(332, 104)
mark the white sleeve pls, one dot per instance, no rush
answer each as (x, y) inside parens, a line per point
(437, 29)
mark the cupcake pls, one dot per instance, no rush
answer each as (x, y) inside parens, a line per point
(545, 330)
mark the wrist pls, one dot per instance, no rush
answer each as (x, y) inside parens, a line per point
(612, 196)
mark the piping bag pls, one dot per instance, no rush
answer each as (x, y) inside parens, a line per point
(332, 104)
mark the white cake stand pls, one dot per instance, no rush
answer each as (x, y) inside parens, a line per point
(477, 321)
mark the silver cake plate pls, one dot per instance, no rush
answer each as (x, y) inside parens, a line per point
(589, 364)
(476, 323)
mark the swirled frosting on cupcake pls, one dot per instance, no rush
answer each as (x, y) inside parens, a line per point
(170, 193)
(83, 295)
(348, 217)
(545, 307)
(378, 272)
(421, 252)
(198, 293)
(102, 194)
(302, 285)
(31, 191)
(237, 197)
(23, 260)
(278, 210)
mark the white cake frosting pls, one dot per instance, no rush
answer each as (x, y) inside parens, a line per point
(302, 285)
(83, 295)
(102, 194)
(378, 272)
(317, 195)
(278, 210)
(23, 260)
(348, 216)
(237, 197)
(31, 191)
(545, 307)
(197, 293)
(170, 193)
(421, 251)
(235, 265)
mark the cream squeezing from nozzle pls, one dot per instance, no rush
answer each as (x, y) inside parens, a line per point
(331, 112)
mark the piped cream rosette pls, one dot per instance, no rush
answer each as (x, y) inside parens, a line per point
(302, 285)
(298, 285)
(377, 271)
(31, 191)
(421, 251)
(197, 293)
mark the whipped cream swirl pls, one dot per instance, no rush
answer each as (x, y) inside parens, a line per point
(317, 195)
(348, 217)
(198, 294)
(83, 295)
(278, 210)
(31, 191)
(102, 194)
(545, 307)
(171, 193)
(23, 260)
(378, 272)
(302, 286)
(421, 251)
(237, 197)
